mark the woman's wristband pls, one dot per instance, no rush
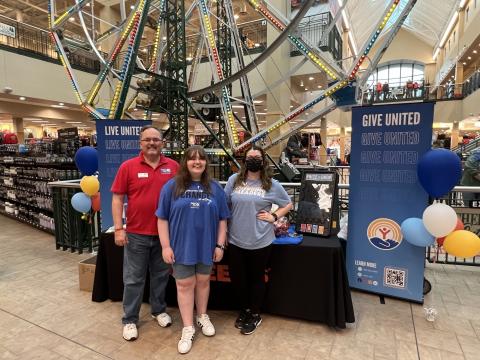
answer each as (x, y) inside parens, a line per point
(220, 246)
(275, 217)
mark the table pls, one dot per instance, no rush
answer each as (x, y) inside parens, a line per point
(306, 281)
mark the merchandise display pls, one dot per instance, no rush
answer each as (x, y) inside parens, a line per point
(24, 194)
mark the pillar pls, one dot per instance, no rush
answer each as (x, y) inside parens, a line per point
(341, 140)
(346, 52)
(455, 138)
(322, 152)
(278, 99)
(458, 79)
(18, 129)
(19, 16)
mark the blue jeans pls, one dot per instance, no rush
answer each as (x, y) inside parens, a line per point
(141, 253)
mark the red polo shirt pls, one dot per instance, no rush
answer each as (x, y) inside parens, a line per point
(142, 185)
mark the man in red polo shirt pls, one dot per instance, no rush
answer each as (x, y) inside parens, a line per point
(140, 180)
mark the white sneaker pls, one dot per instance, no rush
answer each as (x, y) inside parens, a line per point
(185, 343)
(207, 327)
(163, 319)
(130, 332)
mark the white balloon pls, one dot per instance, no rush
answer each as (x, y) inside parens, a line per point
(439, 219)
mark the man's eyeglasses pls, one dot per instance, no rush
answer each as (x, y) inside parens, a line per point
(155, 140)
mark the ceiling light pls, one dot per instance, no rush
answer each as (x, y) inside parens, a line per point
(189, 58)
(23, 98)
(237, 106)
(73, 122)
(311, 78)
(257, 45)
(40, 121)
(236, 16)
(319, 86)
(61, 104)
(261, 113)
(301, 82)
(474, 51)
(235, 112)
(306, 89)
(164, 38)
(88, 5)
(257, 101)
(464, 63)
(144, 50)
(469, 58)
(132, 7)
(71, 19)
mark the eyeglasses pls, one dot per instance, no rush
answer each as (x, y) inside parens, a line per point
(155, 140)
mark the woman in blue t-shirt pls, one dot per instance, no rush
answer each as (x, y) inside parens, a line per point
(192, 224)
(251, 194)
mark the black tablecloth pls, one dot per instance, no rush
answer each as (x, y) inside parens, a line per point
(306, 281)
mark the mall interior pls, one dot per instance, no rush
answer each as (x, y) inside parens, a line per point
(226, 74)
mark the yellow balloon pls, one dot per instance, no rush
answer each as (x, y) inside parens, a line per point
(90, 185)
(462, 243)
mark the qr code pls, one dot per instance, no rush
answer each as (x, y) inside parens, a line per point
(396, 278)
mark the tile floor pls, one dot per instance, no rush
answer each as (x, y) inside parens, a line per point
(43, 315)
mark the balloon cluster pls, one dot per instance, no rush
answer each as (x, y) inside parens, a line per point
(439, 170)
(86, 159)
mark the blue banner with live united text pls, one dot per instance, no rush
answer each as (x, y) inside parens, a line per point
(117, 141)
(387, 142)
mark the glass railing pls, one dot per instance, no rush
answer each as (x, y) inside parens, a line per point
(35, 42)
(387, 93)
(471, 84)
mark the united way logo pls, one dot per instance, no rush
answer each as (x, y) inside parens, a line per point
(384, 234)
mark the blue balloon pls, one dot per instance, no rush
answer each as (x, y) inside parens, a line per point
(439, 170)
(415, 232)
(81, 202)
(86, 159)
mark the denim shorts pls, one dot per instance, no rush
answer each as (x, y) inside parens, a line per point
(181, 271)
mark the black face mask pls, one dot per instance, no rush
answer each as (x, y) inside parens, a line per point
(253, 164)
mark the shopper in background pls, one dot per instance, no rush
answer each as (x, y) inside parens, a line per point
(192, 224)
(140, 180)
(294, 149)
(471, 177)
(251, 194)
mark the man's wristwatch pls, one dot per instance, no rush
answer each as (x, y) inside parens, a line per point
(220, 246)
(275, 216)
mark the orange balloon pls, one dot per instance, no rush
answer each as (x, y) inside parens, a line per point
(96, 202)
(462, 243)
(459, 226)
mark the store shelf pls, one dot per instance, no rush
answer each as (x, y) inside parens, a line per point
(27, 190)
(35, 207)
(37, 226)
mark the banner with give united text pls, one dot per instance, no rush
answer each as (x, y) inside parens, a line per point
(387, 142)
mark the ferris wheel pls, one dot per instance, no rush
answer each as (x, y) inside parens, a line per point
(163, 84)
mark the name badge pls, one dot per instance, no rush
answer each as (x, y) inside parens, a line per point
(165, 171)
(142, 175)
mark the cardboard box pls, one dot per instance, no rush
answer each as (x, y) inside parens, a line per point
(86, 273)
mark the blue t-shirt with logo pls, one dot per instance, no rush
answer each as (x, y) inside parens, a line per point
(193, 220)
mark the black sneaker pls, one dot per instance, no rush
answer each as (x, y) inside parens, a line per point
(251, 324)
(242, 316)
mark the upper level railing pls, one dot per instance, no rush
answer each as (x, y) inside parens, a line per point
(35, 42)
(384, 93)
(471, 84)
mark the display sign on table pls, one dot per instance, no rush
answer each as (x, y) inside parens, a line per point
(117, 141)
(387, 142)
(316, 213)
